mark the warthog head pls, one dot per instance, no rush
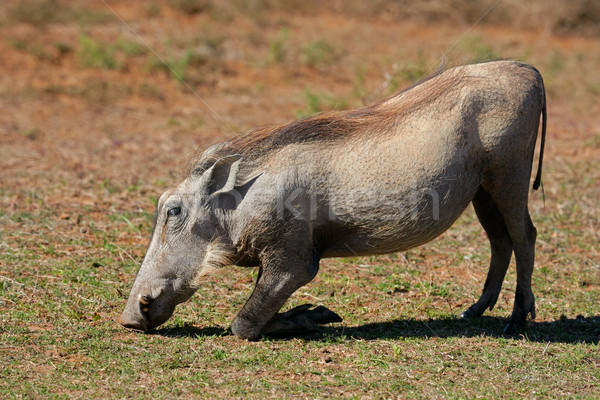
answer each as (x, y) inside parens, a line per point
(187, 243)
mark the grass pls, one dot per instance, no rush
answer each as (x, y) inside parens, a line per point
(278, 46)
(97, 92)
(478, 49)
(92, 53)
(191, 60)
(318, 102)
(319, 52)
(400, 336)
(40, 13)
(95, 129)
(406, 73)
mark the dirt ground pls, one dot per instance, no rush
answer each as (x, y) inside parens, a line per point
(87, 136)
(67, 127)
(94, 126)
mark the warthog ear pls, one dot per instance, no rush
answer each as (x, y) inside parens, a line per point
(223, 174)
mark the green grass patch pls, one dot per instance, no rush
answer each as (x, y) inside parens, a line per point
(478, 49)
(319, 52)
(42, 12)
(278, 46)
(92, 53)
(318, 102)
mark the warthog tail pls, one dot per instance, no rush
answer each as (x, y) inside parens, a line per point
(538, 176)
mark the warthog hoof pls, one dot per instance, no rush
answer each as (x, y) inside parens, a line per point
(510, 329)
(300, 320)
(468, 314)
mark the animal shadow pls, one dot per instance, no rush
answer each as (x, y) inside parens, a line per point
(564, 330)
(190, 331)
(577, 330)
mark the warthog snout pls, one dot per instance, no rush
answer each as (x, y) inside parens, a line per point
(136, 317)
(133, 320)
(146, 311)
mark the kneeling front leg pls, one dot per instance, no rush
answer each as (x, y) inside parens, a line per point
(275, 284)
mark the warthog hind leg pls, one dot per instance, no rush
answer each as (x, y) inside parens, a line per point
(504, 215)
(523, 235)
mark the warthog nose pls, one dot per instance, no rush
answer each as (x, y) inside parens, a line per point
(135, 315)
(133, 319)
(137, 324)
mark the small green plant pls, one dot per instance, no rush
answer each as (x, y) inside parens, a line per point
(63, 48)
(173, 121)
(39, 52)
(189, 60)
(17, 44)
(406, 73)
(149, 90)
(277, 46)
(319, 52)
(153, 10)
(109, 186)
(177, 67)
(556, 62)
(219, 354)
(31, 133)
(313, 104)
(394, 284)
(358, 83)
(180, 66)
(92, 53)
(129, 47)
(93, 91)
(318, 102)
(477, 49)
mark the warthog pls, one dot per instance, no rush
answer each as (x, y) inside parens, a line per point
(375, 180)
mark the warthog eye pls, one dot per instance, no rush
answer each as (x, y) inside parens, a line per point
(174, 211)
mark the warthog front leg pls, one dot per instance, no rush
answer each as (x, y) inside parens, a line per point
(279, 277)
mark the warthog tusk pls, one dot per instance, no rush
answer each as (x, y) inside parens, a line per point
(145, 300)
